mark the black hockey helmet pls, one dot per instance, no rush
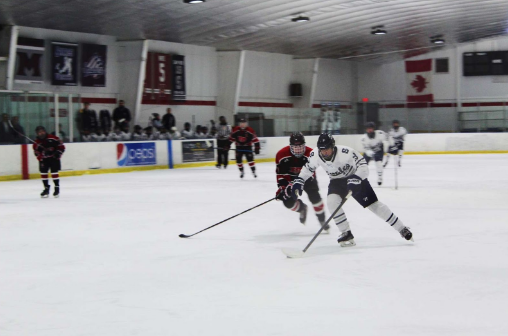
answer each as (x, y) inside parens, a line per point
(40, 128)
(370, 124)
(297, 144)
(325, 141)
(396, 127)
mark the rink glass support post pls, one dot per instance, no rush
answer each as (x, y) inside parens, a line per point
(25, 175)
(170, 154)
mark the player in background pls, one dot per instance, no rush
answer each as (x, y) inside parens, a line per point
(289, 161)
(244, 137)
(398, 137)
(48, 149)
(373, 146)
(348, 171)
(223, 133)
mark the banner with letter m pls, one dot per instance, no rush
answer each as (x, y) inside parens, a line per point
(29, 61)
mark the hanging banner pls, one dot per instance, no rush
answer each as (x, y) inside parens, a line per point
(157, 83)
(29, 61)
(64, 67)
(419, 81)
(93, 69)
(178, 62)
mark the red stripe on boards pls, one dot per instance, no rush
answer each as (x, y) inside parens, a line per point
(24, 162)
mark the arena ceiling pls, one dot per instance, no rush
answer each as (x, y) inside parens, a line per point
(337, 28)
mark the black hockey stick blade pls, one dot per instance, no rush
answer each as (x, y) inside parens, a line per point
(183, 236)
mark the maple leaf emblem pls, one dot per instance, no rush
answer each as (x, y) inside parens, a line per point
(419, 83)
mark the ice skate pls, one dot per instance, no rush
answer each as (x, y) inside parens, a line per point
(346, 239)
(325, 226)
(303, 213)
(241, 174)
(56, 194)
(45, 192)
(218, 166)
(406, 234)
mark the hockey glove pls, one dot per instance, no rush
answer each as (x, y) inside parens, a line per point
(40, 157)
(369, 153)
(282, 194)
(354, 184)
(256, 148)
(297, 187)
(57, 155)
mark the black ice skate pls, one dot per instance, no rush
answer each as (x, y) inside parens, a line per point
(45, 192)
(346, 239)
(303, 213)
(241, 174)
(218, 166)
(406, 234)
(325, 226)
(56, 194)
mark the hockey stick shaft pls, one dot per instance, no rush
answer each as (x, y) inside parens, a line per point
(233, 149)
(15, 130)
(225, 220)
(329, 219)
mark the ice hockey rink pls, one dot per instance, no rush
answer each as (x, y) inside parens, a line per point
(105, 258)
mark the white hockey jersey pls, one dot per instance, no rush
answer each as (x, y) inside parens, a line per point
(345, 162)
(375, 144)
(399, 135)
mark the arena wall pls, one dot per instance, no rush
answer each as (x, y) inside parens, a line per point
(99, 158)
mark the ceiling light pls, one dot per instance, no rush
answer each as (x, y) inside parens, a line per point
(378, 30)
(300, 18)
(193, 1)
(438, 39)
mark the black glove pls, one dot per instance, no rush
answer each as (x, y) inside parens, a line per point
(297, 187)
(256, 148)
(282, 194)
(354, 184)
(57, 155)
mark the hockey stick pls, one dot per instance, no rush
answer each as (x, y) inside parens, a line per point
(238, 150)
(396, 163)
(187, 236)
(297, 253)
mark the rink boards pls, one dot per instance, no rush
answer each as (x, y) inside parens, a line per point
(18, 162)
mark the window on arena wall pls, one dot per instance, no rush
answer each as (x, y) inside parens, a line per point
(441, 65)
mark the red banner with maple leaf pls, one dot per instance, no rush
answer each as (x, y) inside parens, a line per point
(419, 80)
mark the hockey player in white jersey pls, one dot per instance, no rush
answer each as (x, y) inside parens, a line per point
(397, 136)
(373, 146)
(348, 171)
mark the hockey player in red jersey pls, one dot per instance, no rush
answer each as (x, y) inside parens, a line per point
(244, 137)
(48, 149)
(289, 161)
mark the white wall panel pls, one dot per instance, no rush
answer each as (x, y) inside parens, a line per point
(266, 77)
(228, 68)
(303, 73)
(334, 81)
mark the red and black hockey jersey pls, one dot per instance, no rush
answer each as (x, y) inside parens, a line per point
(244, 137)
(288, 165)
(48, 147)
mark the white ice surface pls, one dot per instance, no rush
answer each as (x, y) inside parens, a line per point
(105, 258)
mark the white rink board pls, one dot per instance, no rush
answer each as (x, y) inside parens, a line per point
(105, 258)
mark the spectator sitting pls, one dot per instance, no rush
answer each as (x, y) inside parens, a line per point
(99, 136)
(174, 134)
(125, 135)
(155, 121)
(168, 120)
(116, 135)
(187, 133)
(150, 134)
(87, 136)
(121, 115)
(200, 132)
(5, 130)
(106, 135)
(17, 137)
(138, 134)
(164, 134)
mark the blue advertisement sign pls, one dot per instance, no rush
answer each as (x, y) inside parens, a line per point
(136, 154)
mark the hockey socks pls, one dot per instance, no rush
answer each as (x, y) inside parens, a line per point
(340, 218)
(383, 212)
